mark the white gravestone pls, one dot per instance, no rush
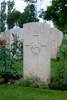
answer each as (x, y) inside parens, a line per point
(17, 33)
(60, 38)
(56, 40)
(8, 35)
(53, 35)
(37, 51)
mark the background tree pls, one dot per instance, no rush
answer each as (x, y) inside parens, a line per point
(29, 15)
(57, 12)
(31, 1)
(12, 19)
(10, 5)
(2, 16)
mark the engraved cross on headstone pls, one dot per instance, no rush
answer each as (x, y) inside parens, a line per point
(36, 45)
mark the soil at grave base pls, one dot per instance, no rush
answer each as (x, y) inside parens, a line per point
(11, 80)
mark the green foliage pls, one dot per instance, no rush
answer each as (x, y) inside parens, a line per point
(10, 5)
(32, 82)
(6, 6)
(2, 16)
(6, 59)
(9, 66)
(57, 12)
(12, 19)
(59, 75)
(18, 66)
(31, 1)
(19, 53)
(17, 48)
(15, 18)
(63, 49)
(14, 47)
(59, 80)
(29, 15)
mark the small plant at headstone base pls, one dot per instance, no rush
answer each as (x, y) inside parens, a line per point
(6, 61)
(32, 82)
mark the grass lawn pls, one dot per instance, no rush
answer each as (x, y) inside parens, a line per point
(20, 93)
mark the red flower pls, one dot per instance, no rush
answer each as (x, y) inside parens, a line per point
(1, 43)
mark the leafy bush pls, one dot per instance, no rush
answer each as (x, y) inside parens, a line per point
(6, 59)
(17, 48)
(59, 80)
(18, 65)
(32, 82)
(7, 70)
(63, 49)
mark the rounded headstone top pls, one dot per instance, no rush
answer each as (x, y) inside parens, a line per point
(35, 23)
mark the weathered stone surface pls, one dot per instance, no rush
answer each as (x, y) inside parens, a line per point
(17, 32)
(53, 35)
(37, 51)
(56, 40)
(65, 35)
(60, 38)
(4, 36)
(8, 35)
